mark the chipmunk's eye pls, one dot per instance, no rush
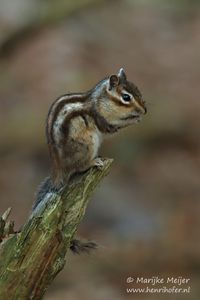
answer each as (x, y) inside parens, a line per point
(126, 97)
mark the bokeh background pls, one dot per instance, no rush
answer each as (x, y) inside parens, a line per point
(145, 215)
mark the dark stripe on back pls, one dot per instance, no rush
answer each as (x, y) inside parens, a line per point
(53, 112)
(99, 121)
(65, 128)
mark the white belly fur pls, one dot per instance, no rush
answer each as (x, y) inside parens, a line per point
(97, 139)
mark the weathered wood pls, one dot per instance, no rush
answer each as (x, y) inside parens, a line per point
(31, 259)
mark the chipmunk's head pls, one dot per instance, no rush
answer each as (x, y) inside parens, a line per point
(123, 104)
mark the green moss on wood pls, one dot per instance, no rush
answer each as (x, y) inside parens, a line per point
(31, 259)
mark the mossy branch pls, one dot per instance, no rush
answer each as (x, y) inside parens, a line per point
(30, 259)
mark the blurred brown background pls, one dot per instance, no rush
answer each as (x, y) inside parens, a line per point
(146, 212)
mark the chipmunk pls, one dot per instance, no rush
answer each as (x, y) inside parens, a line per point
(77, 123)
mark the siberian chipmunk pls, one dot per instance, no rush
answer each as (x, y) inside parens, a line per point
(77, 123)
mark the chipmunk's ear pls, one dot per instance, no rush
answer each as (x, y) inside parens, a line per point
(113, 81)
(122, 75)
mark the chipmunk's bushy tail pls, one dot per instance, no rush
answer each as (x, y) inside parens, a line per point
(76, 246)
(45, 187)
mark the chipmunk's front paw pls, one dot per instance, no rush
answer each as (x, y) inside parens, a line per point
(98, 163)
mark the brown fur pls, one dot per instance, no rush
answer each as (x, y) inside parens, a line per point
(102, 111)
(56, 108)
(74, 136)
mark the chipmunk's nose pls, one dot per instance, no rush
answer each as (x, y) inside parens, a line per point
(141, 109)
